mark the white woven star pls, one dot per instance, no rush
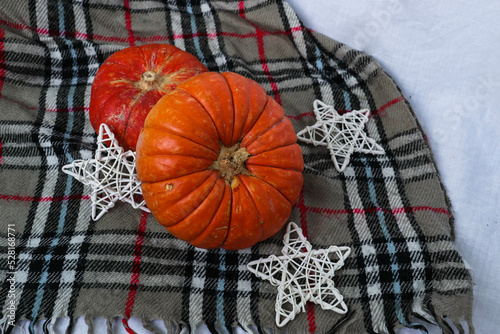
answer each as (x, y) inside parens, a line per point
(111, 175)
(302, 274)
(341, 134)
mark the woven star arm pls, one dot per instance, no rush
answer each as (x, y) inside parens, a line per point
(82, 171)
(102, 201)
(329, 297)
(365, 144)
(107, 144)
(323, 111)
(294, 241)
(290, 301)
(337, 255)
(314, 134)
(271, 269)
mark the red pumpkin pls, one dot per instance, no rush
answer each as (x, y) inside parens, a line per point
(131, 81)
(219, 162)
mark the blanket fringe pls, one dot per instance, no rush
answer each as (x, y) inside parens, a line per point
(423, 317)
(421, 311)
(445, 312)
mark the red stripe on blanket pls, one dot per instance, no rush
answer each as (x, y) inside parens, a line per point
(260, 45)
(136, 266)
(303, 212)
(311, 316)
(387, 105)
(151, 39)
(214, 35)
(378, 111)
(73, 109)
(43, 199)
(362, 211)
(128, 23)
(127, 327)
(48, 32)
(301, 115)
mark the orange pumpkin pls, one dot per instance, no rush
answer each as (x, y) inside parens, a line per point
(131, 81)
(219, 162)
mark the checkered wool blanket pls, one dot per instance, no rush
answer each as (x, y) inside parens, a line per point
(392, 209)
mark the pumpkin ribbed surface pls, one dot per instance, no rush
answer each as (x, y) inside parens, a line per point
(219, 162)
(130, 82)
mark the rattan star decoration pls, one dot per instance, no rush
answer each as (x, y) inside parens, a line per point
(111, 175)
(301, 275)
(341, 134)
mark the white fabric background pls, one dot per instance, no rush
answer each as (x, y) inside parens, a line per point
(444, 55)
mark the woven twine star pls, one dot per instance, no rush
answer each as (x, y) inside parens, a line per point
(111, 175)
(301, 275)
(341, 134)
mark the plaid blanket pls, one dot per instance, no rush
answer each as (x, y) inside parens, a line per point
(392, 209)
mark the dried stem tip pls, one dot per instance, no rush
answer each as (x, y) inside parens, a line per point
(231, 162)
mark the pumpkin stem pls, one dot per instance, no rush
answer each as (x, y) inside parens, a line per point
(148, 76)
(149, 81)
(231, 162)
